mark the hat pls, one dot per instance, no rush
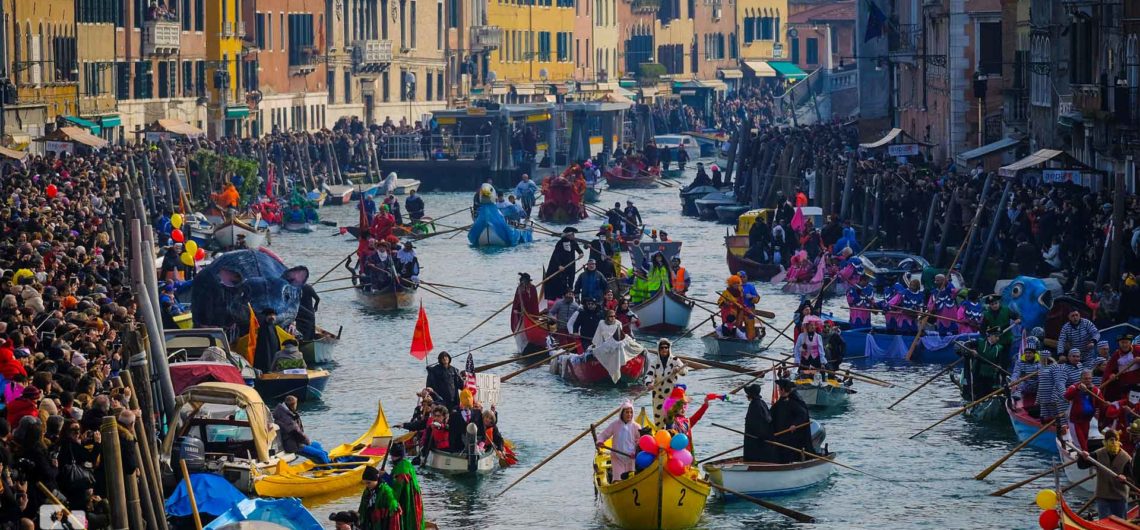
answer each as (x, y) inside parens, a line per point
(627, 404)
(993, 298)
(993, 330)
(663, 341)
(678, 393)
(734, 280)
(753, 390)
(290, 342)
(785, 384)
(1102, 343)
(742, 274)
(1032, 343)
(371, 474)
(1075, 350)
(409, 244)
(569, 230)
(1127, 336)
(398, 451)
(591, 260)
(523, 276)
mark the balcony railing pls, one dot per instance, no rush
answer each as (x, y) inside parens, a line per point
(162, 38)
(411, 147)
(227, 29)
(486, 37)
(906, 40)
(371, 55)
(641, 6)
(1086, 100)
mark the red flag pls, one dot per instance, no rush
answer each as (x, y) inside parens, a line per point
(251, 344)
(421, 337)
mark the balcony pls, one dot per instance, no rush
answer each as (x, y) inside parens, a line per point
(303, 60)
(646, 6)
(371, 56)
(486, 37)
(1064, 104)
(162, 37)
(1087, 100)
(227, 29)
(906, 41)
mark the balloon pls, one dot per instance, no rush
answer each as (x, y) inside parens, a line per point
(52, 191)
(187, 259)
(191, 247)
(662, 438)
(675, 468)
(176, 220)
(200, 255)
(177, 236)
(680, 441)
(1049, 519)
(644, 460)
(647, 444)
(1046, 499)
(684, 457)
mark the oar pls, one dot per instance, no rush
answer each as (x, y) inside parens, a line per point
(435, 292)
(758, 312)
(798, 516)
(722, 453)
(762, 373)
(845, 371)
(1040, 475)
(975, 402)
(986, 472)
(504, 337)
(572, 441)
(342, 260)
(497, 364)
(333, 280)
(444, 285)
(335, 289)
(1101, 466)
(467, 209)
(536, 364)
(452, 231)
(1087, 478)
(71, 518)
(900, 308)
(509, 304)
(802, 452)
(940, 373)
(793, 428)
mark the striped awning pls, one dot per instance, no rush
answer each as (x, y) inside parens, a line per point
(76, 134)
(760, 68)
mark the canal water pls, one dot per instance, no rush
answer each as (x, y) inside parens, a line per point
(929, 480)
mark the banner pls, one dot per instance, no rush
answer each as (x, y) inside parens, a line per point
(902, 150)
(60, 147)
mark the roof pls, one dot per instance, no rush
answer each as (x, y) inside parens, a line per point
(13, 153)
(838, 11)
(988, 149)
(1040, 157)
(76, 134)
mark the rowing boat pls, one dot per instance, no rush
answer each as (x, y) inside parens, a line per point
(584, 369)
(991, 410)
(826, 394)
(728, 214)
(390, 299)
(319, 350)
(305, 385)
(299, 228)
(651, 498)
(764, 479)
(643, 250)
(1025, 425)
(491, 229)
(619, 177)
(226, 234)
(1070, 520)
(689, 199)
(706, 206)
(1074, 473)
(459, 464)
(594, 191)
(339, 194)
(729, 347)
(530, 332)
(878, 344)
(735, 248)
(310, 479)
(664, 312)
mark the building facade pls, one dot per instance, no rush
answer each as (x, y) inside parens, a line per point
(228, 110)
(42, 66)
(761, 29)
(286, 72)
(95, 34)
(537, 55)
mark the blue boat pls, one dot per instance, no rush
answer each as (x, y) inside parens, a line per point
(1113, 333)
(287, 513)
(1025, 425)
(491, 229)
(877, 344)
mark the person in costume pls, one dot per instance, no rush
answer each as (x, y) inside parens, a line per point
(758, 428)
(751, 298)
(1001, 316)
(860, 302)
(661, 374)
(623, 434)
(833, 345)
(943, 302)
(681, 277)
(602, 252)
(732, 304)
(467, 413)
(1122, 413)
(378, 509)
(790, 411)
(382, 224)
(1051, 388)
(970, 312)
(1079, 333)
(910, 301)
(560, 269)
(677, 420)
(647, 284)
(1122, 369)
(406, 490)
(729, 330)
(1027, 362)
(808, 351)
(1084, 400)
(983, 376)
(1111, 493)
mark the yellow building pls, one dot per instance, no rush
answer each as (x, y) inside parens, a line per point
(761, 30)
(42, 50)
(537, 48)
(225, 28)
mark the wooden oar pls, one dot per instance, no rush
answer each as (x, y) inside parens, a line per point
(536, 364)
(973, 403)
(466, 209)
(435, 292)
(847, 371)
(572, 441)
(444, 285)
(335, 289)
(940, 373)
(793, 428)
(509, 304)
(1100, 466)
(333, 279)
(762, 373)
(1087, 478)
(798, 516)
(986, 472)
(504, 337)
(722, 453)
(71, 520)
(758, 312)
(334, 267)
(1040, 475)
(497, 364)
(803, 453)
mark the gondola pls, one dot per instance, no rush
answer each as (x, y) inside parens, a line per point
(716, 346)
(664, 312)
(491, 229)
(824, 394)
(305, 385)
(319, 350)
(1070, 520)
(392, 298)
(584, 369)
(758, 272)
(619, 177)
(339, 194)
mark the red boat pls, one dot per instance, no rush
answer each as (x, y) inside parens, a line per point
(633, 173)
(530, 331)
(590, 372)
(1070, 520)
(563, 197)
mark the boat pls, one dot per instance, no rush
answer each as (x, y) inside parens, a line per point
(729, 347)
(757, 272)
(991, 410)
(1024, 425)
(676, 142)
(664, 312)
(689, 199)
(227, 233)
(198, 229)
(339, 194)
(764, 479)
(729, 213)
(405, 186)
(416, 229)
(651, 498)
(641, 252)
(481, 463)
(530, 330)
(266, 514)
(620, 177)
(299, 228)
(706, 206)
(319, 350)
(1070, 520)
(594, 191)
(391, 299)
(562, 200)
(585, 369)
(310, 479)
(709, 141)
(391, 185)
(200, 355)
(303, 384)
(491, 229)
(317, 198)
(1073, 473)
(184, 320)
(825, 394)
(877, 344)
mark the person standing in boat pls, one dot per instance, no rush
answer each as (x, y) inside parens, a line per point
(702, 178)
(561, 267)
(560, 312)
(468, 413)
(647, 284)
(1051, 389)
(1122, 413)
(393, 206)
(591, 284)
(526, 190)
(1122, 370)
(677, 418)
(306, 320)
(1001, 316)
(943, 303)
(626, 316)
(911, 302)
(584, 322)
(601, 253)
(682, 158)
(808, 351)
(382, 224)
(408, 264)
(1111, 494)
(982, 376)
(681, 277)
(833, 346)
(661, 376)
(860, 301)
(1084, 399)
(632, 216)
(1027, 362)
(758, 427)
(444, 380)
(378, 509)
(790, 411)
(269, 339)
(970, 313)
(414, 204)
(624, 433)
(1079, 333)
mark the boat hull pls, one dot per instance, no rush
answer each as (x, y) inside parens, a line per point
(891, 347)
(309, 386)
(664, 312)
(591, 372)
(1025, 425)
(318, 351)
(226, 234)
(534, 337)
(388, 300)
(729, 214)
(593, 193)
(689, 199)
(824, 395)
(457, 464)
(1075, 474)
(651, 498)
(761, 479)
(340, 195)
(757, 272)
(298, 228)
(721, 347)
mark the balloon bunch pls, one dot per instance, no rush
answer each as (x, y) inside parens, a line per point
(192, 253)
(675, 448)
(1047, 500)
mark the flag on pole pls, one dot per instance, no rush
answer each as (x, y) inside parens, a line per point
(876, 22)
(251, 343)
(421, 337)
(469, 375)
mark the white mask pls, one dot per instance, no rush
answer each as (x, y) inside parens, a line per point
(1133, 397)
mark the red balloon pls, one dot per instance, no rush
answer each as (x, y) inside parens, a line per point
(52, 191)
(200, 254)
(177, 236)
(675, 467)
(1049, 519)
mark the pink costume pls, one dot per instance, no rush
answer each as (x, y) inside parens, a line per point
(625, 436)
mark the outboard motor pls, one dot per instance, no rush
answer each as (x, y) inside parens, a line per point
(192, 451)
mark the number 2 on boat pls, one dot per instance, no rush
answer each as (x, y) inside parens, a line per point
(681, 501)
(635, 501)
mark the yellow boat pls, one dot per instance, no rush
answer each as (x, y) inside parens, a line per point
(651, 498)
(184, 320)
(310, 479)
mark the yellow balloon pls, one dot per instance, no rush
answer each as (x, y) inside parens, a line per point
(176, 220)
(1046, 499)
(187, 259)
(191, 247)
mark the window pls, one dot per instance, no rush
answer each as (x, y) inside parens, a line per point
(281, 30)
(732, 50)
(813, 51)
(403, 24)
(1040, 84)
(301, 48)
(453, 13)
(384, 87)
(412, 19)
(184, 14)
(64, 55)
(795, 51)
(199, 15)
(563, 49)
(544, 46)
(439, 28)
(268, 31)
(163, 79)
(187, 78)
(347, 87)
(672, 57)
(749, 30)
(439, 86)
(140, 10)
(428, 87)
(144, 81)
(259, 25)
(989, 48)
(122, 81)
(767, 28)
(403, 85)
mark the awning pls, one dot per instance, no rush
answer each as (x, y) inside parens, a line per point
(12, 153)
(648, 91)
(500, 90)
(179, 127)
(890, 137)
(113, 120)
(1040, 157)
(237, 112)
(730, 73)
(525, 90)
(76, 134)
(627, 83)
(550, 98)
(986, 150)
(787, 70)
(760, 68)
(714, 84)
(86, 124)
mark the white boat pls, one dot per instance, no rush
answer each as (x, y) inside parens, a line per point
(664, 312)
(405, 186)
(226, 234)
(300, 228)
(761, 479)
(676, 142)
(729, 347)
(823, 394)
(1074, 473)
(457, 463)
(339, 194)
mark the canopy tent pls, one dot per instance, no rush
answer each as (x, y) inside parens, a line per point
(787, 70)
(95, 128)
(76, 135)
(13, 154)
(1055, 167)
(1040, 157)
(174, 126)
(760, 68)
(980, 153)
(729, 73)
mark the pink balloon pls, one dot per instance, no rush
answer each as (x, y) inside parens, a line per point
(683, 456)
(647, 444)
